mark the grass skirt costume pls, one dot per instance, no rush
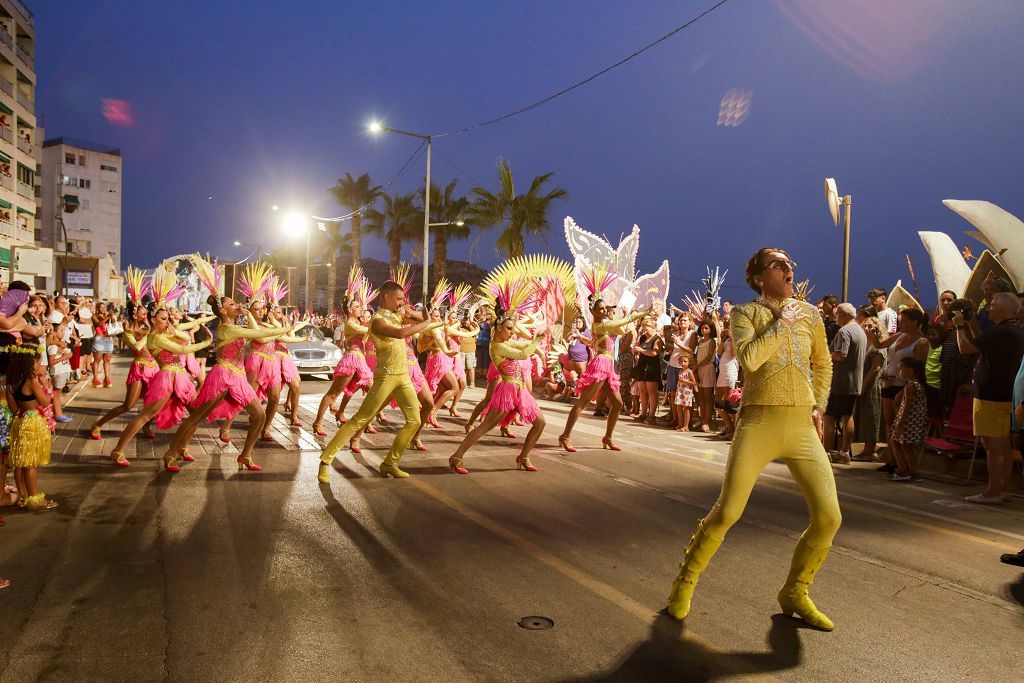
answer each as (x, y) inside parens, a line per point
(227, 375)
(29, 440)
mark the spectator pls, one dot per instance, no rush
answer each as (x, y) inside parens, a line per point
(911, 424)
(942, 317)
(84, 328)
(728, 377)
(686, 389)
(704, 369)
(681, 346)
(483, 342)
(1000, 351)
(933, 371)
(877, 298)
(827, 308)
(848, 349)
(909, 342)
(957, 369)
(989, 288)
(868, 420)
(467, 349)
(647, 372)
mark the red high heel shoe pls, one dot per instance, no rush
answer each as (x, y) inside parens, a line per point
(120, 460)
(266, 437)
(248, 464)
(148, 435)
(184, 455)
(507, 434)
(223, 438)
(607, 443)
(432, 421)
(524, 464)
(170, 466)
(95, 434)
(456, 466)
(383, 420)
(419, 446)
(454, 413)
(355, 449)
(318, 430)
(563, 441)
(370, 430)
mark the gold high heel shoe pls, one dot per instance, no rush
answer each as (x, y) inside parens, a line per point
(456, 465)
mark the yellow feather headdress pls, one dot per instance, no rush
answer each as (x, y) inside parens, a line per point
(254, 280)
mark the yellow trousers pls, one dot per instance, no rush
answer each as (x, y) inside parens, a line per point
(382, 389)
(766, 433)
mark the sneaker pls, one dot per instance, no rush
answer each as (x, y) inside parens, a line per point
(841, 458)
(1016, 559)
(863, 457)
(896, 476)
(63, 418)
(982, 499)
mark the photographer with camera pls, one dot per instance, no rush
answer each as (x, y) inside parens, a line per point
(1000, 350)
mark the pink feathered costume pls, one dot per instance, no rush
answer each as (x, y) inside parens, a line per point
(173, 382)
(227, 375)
(265, 365)
(511, 394)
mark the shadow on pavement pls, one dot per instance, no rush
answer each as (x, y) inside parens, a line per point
(669, 655)
(1016, 589)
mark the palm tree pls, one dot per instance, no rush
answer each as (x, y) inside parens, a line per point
(356, 195)
(445, 208)
(397, 223)
(522, 215)
(335, 243)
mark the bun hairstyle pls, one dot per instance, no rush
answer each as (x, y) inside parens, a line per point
(214, 303)
(755, 266)
(344, 303)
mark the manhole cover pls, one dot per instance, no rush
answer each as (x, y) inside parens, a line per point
(536, 623)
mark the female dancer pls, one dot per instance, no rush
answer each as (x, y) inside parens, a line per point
(226, 391)
(289, 372)
(170, 390)
(440, 371)
(600, 374)
(144, 367)
(511, 394)
(455, 335)
(275, 291)
(780, 343)
(352, 372)
(523, 332)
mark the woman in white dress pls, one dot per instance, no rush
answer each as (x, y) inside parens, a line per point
(728, 376)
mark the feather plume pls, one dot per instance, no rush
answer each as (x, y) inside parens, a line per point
(515, 297)
(803, 291)
(459, 296)
(400, 274)
(596, 279)
(355, 278)
(165, 285)
(208, 273)
(365, 294)
(136, 284)
(441, 292)
(275, 291)
(254, 280)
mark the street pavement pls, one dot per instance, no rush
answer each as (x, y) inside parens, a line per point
(215, 574)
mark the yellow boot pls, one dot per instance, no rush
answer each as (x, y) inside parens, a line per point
(702, 547)
(794, 595)
(390, 467)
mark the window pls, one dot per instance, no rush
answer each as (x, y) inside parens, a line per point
(108, 167)
(26, 175)
(40, 281)
(84, 183)
(69, 158)
(81, 160)
(70, 181)
(5, 215)
(80, 246)
(39, 235)
(84, 204)
(110, 187)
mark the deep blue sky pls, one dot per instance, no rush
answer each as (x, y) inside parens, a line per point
(259, 103)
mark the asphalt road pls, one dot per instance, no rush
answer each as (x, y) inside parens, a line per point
(214, 574)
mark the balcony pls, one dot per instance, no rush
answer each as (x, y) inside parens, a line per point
(6, 134)
(6, 38)
(26, 190)
(7, 182)
(25, 58)
(24, 145)
(26, 101)
(6, 86)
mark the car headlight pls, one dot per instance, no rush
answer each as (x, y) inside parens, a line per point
(335, 354)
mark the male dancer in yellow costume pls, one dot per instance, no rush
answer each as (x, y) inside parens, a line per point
(391, 377)
(780, 342)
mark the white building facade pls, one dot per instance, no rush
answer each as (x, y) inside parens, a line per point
(21, 257)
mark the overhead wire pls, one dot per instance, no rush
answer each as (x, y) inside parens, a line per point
(588, 79)
(384, 188)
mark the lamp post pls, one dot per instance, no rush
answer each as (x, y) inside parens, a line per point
(259, 249)
(834, 204)
(292, 224)
(376, 127)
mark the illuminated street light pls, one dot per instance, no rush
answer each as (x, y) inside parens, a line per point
(835, 202)
(293, 225)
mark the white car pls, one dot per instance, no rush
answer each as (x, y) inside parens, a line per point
(315, 356)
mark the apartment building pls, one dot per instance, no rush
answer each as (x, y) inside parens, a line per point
(20, 138)
(81, 211)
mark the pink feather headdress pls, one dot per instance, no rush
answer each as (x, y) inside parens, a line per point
(513, 297)
(596, 279)
(208, 273)
(254, 281)
(441, 292)
(458, 296)
(275, 291)
(136, 284)
(165, 285)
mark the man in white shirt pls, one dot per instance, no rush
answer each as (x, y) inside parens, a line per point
(887, 316)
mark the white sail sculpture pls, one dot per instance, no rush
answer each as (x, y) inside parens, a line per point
(948, 266)
(589, 249)
(1001, 231)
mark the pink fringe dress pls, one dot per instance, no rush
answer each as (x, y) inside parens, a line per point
(439, 363)
(173, 382)
(143, 368)
(600, 368)
(265, 365)
(192, 365)
(511, 394)
(227, 375)
(458, 365)
(419, 380)
(354, 363)
(289, 371)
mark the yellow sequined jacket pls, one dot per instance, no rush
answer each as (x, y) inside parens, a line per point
(785, 362)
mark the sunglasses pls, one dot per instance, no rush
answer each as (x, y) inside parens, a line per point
(781, 264)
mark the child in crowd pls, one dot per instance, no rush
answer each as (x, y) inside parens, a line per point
(59, 366)
(685, 389)
(30, 434)
(10, 494)
(911, 423)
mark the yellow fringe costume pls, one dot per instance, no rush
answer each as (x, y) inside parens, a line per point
(787, 372)
(29, 441)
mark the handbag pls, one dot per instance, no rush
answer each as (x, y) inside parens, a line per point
(114, 329)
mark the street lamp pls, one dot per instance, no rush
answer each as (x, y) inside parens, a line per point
(834, 204)
(260, 251)
(376, 127)
(293, 224)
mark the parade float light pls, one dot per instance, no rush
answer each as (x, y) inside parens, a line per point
(834, 204)
(376, 127)
(295, 224)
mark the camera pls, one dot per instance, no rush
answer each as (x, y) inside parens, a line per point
(964, 306)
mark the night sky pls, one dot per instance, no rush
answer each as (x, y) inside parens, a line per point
(234, 106)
